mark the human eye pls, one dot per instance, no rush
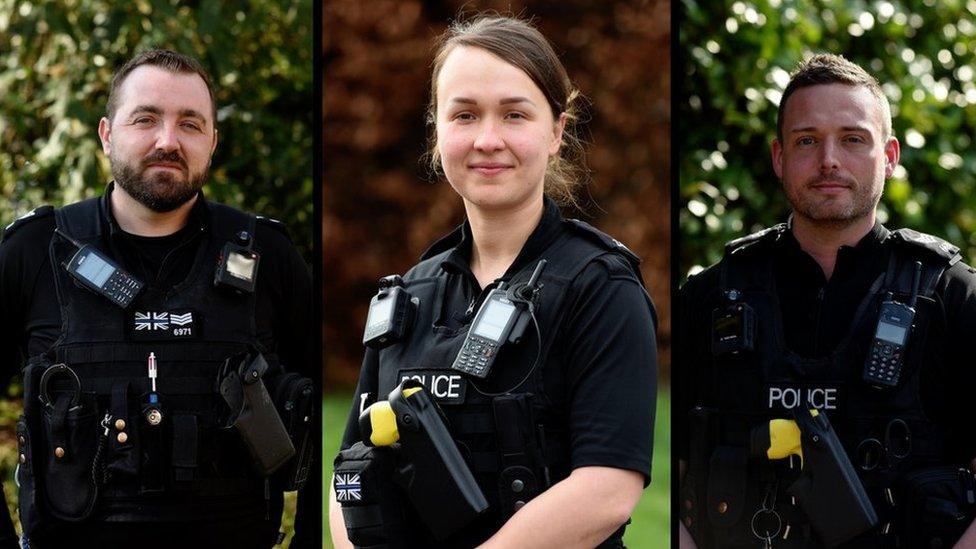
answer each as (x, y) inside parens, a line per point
(191, 125)
(855, 139)
(143, 120)
(516, 115)
(805, 141)
(463, 116)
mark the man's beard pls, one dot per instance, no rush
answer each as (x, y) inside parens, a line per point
(837, 211)
(162, 191)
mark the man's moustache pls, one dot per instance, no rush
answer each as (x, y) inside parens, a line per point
(161, 156)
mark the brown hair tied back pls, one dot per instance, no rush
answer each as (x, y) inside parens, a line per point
(519, 43)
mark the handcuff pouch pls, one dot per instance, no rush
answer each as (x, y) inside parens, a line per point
(71, 468)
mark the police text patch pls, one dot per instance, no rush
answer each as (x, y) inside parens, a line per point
(783, 396)
(163, 325)
(444, 386)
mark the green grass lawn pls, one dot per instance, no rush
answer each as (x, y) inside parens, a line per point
(650, 526)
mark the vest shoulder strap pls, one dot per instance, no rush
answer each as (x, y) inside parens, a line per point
(81, 220)
(274, 224)
(227, 221)
(764, 236)
(604, 240)
(743, 265)
(33, 215)
(928, 245)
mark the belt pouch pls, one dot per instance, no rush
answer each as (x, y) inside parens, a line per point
(254, 416)
(939, 503)
(29, 425)
(185, 446)
(518, 451)
(726, 492)
(71, 476)
(124, 456)
(294, 400)
(372, 506)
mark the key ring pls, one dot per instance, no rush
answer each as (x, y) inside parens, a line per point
(755, 530)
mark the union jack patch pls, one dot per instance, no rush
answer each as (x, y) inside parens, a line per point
(348, 487)
(162, 325)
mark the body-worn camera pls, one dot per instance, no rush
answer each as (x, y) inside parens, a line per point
(733, 326)
(391, 311)
(237, 265)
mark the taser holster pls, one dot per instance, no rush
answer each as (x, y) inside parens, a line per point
(828, 489)
(253, 413)
(429, 467)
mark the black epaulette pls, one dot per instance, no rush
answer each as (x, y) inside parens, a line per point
(603, 239)
(36, 213)
(766, 235)
(931, 244)
(444, 244)
(274, 224)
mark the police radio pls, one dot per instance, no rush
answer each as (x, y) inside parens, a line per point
(391, 312)
(733, 326)
(502, 318)
(237, 265)
(886, 357)
(95, 271)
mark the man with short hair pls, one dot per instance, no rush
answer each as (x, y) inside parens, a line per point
(794, 324)
(133, 312)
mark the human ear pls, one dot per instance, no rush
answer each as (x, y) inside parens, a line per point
(557, 134)
(105, 135)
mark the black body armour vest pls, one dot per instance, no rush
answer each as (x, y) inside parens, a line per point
(744, 390)
(512, 435)
(76, 465)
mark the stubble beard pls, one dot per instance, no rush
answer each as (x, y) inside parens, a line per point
(834, 211)
(162, 191)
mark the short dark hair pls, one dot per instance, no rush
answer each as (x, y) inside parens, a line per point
(520, 44)
(827, 68)
(164, 59)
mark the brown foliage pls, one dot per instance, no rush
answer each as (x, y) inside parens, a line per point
(382, 209)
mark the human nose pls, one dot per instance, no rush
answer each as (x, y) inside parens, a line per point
(167, 138)
(828, 156)
(488, 138)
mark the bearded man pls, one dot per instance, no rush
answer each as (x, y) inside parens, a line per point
(829, 312)
(129, 309)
